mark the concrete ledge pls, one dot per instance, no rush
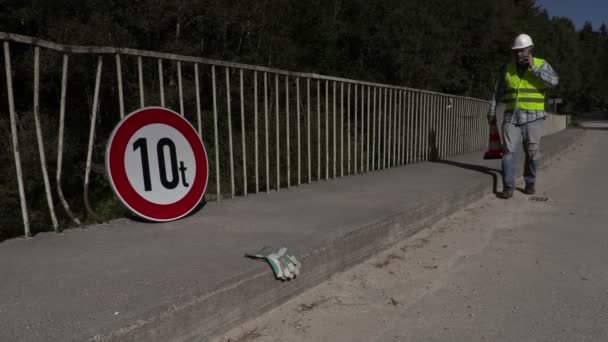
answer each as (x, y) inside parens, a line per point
(251, 294)
(188, 280)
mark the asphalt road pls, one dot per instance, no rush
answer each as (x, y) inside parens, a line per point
(526, 269)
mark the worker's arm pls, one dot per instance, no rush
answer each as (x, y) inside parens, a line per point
(546, 74)
(499, 92)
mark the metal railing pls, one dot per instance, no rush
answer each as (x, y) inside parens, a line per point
(265, 129)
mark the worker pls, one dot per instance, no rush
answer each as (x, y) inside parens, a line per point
(521, 88)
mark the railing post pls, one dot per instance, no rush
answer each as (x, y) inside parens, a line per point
(92, 137)
(15, 140)
(41, 152)
(64, 83)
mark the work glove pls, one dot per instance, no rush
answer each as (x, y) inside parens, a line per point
(284, 264)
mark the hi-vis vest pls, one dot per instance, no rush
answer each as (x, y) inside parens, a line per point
(525, 93)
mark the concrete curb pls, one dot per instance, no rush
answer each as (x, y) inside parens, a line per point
(247, 295)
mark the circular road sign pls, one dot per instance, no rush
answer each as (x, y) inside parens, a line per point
(157, 164)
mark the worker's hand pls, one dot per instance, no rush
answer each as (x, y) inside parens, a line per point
(530, 60)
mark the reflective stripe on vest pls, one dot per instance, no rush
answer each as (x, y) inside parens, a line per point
(526, 93)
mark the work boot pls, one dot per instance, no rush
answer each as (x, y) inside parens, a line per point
(507, 192)
(529, 190)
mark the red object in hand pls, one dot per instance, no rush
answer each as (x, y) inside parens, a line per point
(495, 145)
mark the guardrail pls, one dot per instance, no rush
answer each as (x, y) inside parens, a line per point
(265, 129)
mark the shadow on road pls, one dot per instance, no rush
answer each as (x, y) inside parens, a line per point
(434, 157)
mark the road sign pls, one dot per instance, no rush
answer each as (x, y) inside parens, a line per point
(157, 164)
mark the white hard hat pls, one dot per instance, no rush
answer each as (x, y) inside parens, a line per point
(522, 41)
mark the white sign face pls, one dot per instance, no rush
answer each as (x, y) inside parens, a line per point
(160, 164)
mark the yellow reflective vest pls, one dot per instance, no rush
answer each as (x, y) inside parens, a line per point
(527, 92)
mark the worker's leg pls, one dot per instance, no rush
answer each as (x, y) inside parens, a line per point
(532, 133)
(512, 137)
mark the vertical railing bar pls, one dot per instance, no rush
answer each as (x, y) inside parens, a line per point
(45, 174)
(386, 118)
(442, 126)
(448, 118)
(451, 129)
(216, 138)
(121, 103)
(479, 126)
(438, 125)
(468, 125)
(472, 131)
(471, 126)
(355, 129)
(266, 132)
(180, 88)
(13, 119)
(380, 127)
(395, 125)
(403, 126)
(198, 101)
(64, 82)
(474, 127)
(326, 129)
(277, 130)
(423, 127)
(374, 130)
(298, 126)
(287, 148)
(308, 146)
(398, 128)
(255, 131)
(243, 130)
(391, 126)
(348, 129)
(388, 126)
(461, 127)
(92, 136)
(362, 140)
(479, 130)
(369, 97)
(417, 126)
(141, 81)
(436, 118)
(318, 130)
(427, 125)
(161, 82)
(334, 129)
(229, 117)
(430, 125)
(341, 129)
(408, 138)
(467, 116)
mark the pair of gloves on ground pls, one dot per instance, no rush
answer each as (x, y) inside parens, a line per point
(284, 264)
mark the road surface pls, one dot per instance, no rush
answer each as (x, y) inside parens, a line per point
(526, 269)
